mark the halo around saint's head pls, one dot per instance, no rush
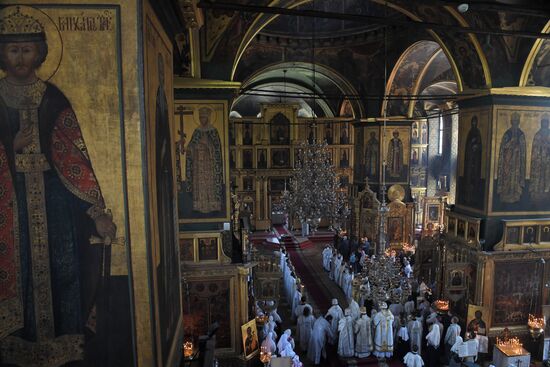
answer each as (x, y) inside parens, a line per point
(27, 24)
(207, 110)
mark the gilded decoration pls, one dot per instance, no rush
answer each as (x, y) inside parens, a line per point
(203, 190)
(66, 176)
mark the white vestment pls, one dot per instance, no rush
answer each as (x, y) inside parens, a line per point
(434, 336)
(299, 310)
(346, 284)
(269, 327)
(303, 329)
(383, 334)
(415, 333)
(327, 255)
(285, 346)
(336, 313)
(413, 360)
(318, 340)
(275, 316)
(346, 340)
(295, 303)
(363, 337)
(452, 332)
(354, 309)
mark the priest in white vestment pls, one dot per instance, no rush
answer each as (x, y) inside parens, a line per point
(383, 332)
(304, 328)
(413, 359)
(327, 255)
(450, 336)
(299, 310)
(414, 327)
(321, 333)
(346, 341)
(346, 283)
(354, 308)
(295, 303)
(363, 335)
(336, 312)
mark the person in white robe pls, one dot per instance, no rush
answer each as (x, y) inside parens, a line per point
(304, 327)
(299, 310)
(414, 327)
(455, 360)
(269, 344)
(363, 335)
(354, 308)
(295, 303)
(450, 336)
(269, 327)
(433, 340)
(346, 341)
(383, 332)
(409, 306)
(327, 255)
(407, 269)
(336, 312)
(321, 333)
(335, 265)
(347, 278)
(413, 359)
(340, 274)
(286, 345)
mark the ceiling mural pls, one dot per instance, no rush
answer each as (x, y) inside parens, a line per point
(405, 74)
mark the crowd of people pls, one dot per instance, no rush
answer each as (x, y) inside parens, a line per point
(411, 329)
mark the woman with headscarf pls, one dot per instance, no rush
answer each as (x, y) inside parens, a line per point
(433, 340)
(285, 346)
(269, 344)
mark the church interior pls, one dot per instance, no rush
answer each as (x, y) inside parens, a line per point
(274, 183)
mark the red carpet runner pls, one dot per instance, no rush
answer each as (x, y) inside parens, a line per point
(308, 279)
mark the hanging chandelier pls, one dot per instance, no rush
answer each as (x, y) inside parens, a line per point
(314, 188)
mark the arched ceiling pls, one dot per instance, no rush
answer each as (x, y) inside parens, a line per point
(477, 60)
(302, 27)
(536, 70)
(299, 82)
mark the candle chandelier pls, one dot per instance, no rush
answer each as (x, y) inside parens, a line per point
(314, 188)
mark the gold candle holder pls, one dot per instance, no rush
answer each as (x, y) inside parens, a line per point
(265, 355)
(188, 348)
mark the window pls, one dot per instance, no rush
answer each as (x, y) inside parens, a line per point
(440, 136)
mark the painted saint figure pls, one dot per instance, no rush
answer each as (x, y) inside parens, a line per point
(511, 163)
(472, 163)
(395, 156)
(204, 166)
(539, 186)
(371, 155)
(50, 204)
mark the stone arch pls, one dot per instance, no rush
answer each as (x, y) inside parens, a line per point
(536, 70)
(317, 81)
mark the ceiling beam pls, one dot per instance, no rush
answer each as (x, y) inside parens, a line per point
(368, 19)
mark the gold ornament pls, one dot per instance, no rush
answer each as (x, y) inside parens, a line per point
(19, 26)
(396, 192)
